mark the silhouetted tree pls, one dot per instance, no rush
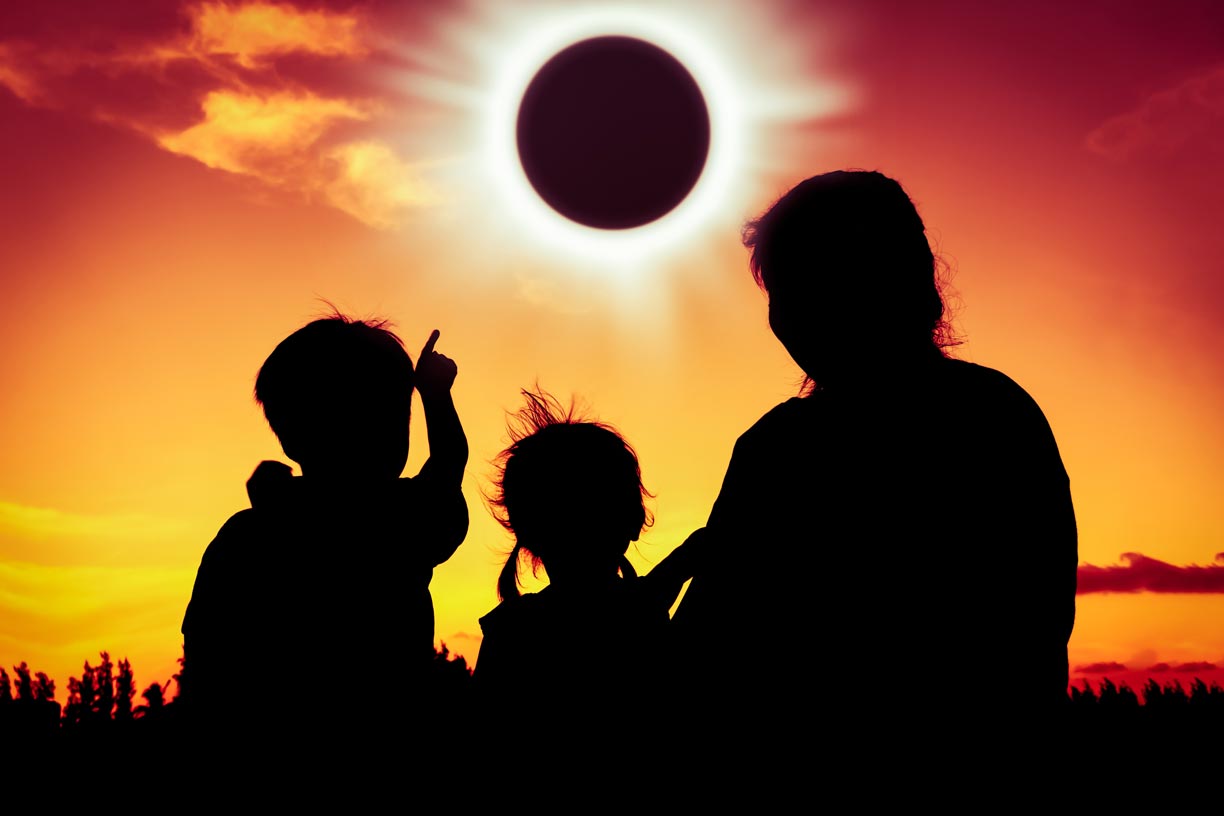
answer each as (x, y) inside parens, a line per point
(125, 690)
(1084, 695)
(82, 697)
(178, 679)
(44, 687)
(35, 712)
(104, 682)
(25, 685)
(6, 702)
(1152, 693)
(1108, 693)
(154, 700)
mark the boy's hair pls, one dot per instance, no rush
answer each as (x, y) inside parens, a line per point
(332, 371)
(562, 468)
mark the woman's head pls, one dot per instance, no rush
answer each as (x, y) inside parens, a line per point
(850, 275)
(570, 490)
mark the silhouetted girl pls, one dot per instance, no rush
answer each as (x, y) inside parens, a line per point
(571, 493)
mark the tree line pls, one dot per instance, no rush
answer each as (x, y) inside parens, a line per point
(103, 699)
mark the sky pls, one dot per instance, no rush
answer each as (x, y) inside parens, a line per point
(187, 183)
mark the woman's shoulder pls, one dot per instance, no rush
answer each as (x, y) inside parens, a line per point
(977, 384)
(991, 406)
(783, 415)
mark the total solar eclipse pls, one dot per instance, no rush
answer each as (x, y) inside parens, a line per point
(613, 132)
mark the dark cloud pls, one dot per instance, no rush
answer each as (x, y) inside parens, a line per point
(1195, 667)
(1143, 574)
(1100, 668)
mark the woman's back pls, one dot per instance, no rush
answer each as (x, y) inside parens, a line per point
(916, 533)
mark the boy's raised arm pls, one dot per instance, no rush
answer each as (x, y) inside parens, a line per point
(448, 447)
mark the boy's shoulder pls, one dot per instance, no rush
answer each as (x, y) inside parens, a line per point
(233, 542)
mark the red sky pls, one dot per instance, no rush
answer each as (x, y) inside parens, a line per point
(184, 182)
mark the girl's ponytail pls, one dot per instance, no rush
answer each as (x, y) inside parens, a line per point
(507, 580)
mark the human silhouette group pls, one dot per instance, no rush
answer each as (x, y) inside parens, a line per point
(905, 519)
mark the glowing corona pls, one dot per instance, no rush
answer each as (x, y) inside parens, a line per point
(526, 55)
(753, 72)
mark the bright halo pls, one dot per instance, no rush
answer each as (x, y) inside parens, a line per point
(519, 64)
(752, 67)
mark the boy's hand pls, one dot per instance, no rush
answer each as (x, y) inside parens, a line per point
(435, 372)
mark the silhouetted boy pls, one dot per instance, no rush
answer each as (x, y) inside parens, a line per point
(329, 573)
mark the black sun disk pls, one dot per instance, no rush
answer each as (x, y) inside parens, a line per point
(613, 132)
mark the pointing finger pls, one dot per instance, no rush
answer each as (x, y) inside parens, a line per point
(429, 344)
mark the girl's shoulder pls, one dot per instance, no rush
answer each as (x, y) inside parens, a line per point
(513, 613)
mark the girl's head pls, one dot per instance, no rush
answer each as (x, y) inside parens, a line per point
(570, 490)
(850, 275)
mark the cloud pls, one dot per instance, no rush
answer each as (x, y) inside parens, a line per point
(253, 32)
(60, 606)
(47, 536)
(1197, 667)
(212, 84)
(372, 184)
(1100, 668)
(1194, 667)
(55, 615)
(14, 75)
(1144, 574)
(41, 523)
(262, 136)
(1188, 116)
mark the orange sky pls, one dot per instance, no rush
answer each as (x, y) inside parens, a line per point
(184, 183)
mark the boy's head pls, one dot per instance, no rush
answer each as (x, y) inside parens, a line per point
(338, 393)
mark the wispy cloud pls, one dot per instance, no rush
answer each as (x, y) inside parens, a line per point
(41, 523)
(1143, 574)
(213, 89)
(1196, 667)
(254, 32)
(59, 607)
(369, 182)
(263, 136)
(15, 74)
(1189, 115)
(1193, 667)
(1100, 668)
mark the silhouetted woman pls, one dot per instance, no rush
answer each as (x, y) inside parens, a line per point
(905, 526)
